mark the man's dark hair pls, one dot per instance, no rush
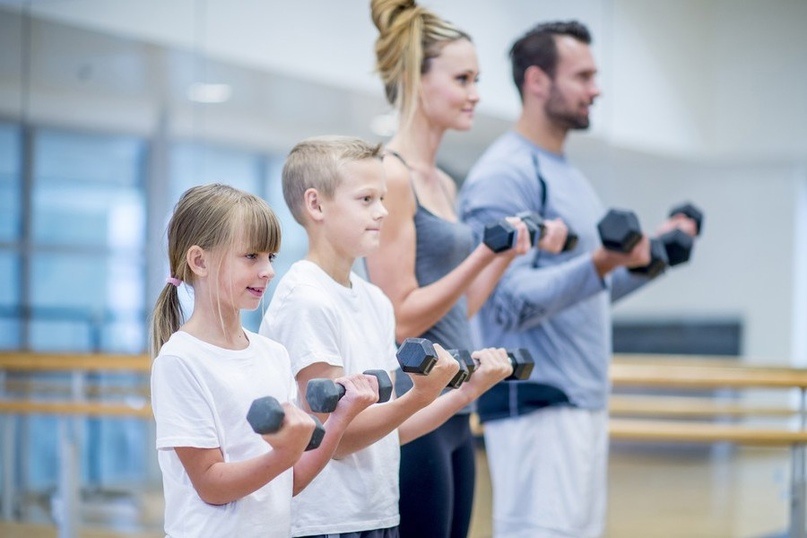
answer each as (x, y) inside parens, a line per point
(537, 47)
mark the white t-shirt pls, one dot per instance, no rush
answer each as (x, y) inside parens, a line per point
(318, 320)
(201, 395)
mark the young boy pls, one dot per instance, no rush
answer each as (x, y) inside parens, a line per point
(334, 323)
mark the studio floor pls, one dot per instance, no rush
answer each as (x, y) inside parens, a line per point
(671, 493)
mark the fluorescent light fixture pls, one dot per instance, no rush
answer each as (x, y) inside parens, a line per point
(201, 92)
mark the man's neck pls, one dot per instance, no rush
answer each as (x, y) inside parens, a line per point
(542, 133)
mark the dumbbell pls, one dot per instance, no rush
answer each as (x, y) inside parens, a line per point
(323, 394)
(679, 244)
(535, 225)
(620, 231)
(520, 359)
(266, 415)
(416, 356)
(499, 236)
(467, 367)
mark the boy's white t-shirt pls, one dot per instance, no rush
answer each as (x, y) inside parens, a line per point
(200, 396)
(318, 320)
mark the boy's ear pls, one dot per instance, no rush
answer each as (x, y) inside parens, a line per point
(537, 82)
(197, 260)
(312, 202)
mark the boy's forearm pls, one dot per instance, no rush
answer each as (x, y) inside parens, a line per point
(377, 421)
(312, 462)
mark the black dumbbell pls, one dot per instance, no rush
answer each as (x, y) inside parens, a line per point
(679, 244)
(416, 356)
(522, 362)
(323, 394)
(266, 415)
(520, 359)
(620, 231)
(500, 236)
(535, 225)
(690, 211)
(463, 358)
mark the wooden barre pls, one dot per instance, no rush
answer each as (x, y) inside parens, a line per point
(693, 376)
(690, 407)
(702, 432)
(95, 409)
(48, 362)
(52, 387)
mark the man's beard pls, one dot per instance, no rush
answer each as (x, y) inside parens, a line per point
(558, 111)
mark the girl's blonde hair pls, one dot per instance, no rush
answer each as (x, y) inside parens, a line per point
(409, 37)
(211, 217)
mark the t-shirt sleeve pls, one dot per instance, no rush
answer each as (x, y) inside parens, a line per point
(307, 327)
(181, 406)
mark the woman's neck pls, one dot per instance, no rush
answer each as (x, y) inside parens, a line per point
(418, 143)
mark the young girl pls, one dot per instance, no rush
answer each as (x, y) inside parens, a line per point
(219, 477)
(429, 264)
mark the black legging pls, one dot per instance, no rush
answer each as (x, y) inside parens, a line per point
(437, 482)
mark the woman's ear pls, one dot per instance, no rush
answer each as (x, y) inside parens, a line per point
(312, 202)
(197, 260)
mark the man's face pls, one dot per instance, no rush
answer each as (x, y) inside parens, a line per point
(573, 88)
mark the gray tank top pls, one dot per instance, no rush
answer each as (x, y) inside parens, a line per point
(441, 245)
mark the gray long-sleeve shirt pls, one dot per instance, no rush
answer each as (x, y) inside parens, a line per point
(555, 305)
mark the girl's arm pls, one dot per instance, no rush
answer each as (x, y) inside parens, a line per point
(220, 482)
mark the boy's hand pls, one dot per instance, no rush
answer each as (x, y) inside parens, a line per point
(428, 387)
(554, 237)
(361, 391)
(291, 440)
(493, 366)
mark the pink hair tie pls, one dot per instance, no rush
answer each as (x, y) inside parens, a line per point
(172, 280)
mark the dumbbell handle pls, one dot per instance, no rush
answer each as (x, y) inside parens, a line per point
(321, 402)
(535, 224)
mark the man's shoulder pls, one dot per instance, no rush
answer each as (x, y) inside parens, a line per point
(508, 156)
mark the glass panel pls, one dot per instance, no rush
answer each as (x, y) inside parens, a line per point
(87, 191)
(10, 202)
(197, 164)
(77, 298)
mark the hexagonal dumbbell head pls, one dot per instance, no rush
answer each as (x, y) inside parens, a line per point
(571, 241)
(522, 363)
(317, 435)
(690, 211)
(462, 374)
(416, 356)
(678, 246)
(265, 415)
(658, 260)
(469, 361)
(500, 236)
(619, 230)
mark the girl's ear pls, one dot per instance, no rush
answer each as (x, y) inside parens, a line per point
(312, 203)
(198, 260)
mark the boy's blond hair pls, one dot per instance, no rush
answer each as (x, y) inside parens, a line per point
(316, 163)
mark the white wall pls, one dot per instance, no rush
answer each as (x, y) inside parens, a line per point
(702, 100)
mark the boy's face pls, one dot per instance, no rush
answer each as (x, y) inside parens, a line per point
(353, 216)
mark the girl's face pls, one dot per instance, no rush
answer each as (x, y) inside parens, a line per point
(244, 277)
(449, 89)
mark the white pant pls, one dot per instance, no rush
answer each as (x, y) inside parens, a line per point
(549, 473)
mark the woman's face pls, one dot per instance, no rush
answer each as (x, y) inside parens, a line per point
(449, 89)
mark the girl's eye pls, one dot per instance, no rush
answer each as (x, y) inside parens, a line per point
(252, 256)
(272, 256)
